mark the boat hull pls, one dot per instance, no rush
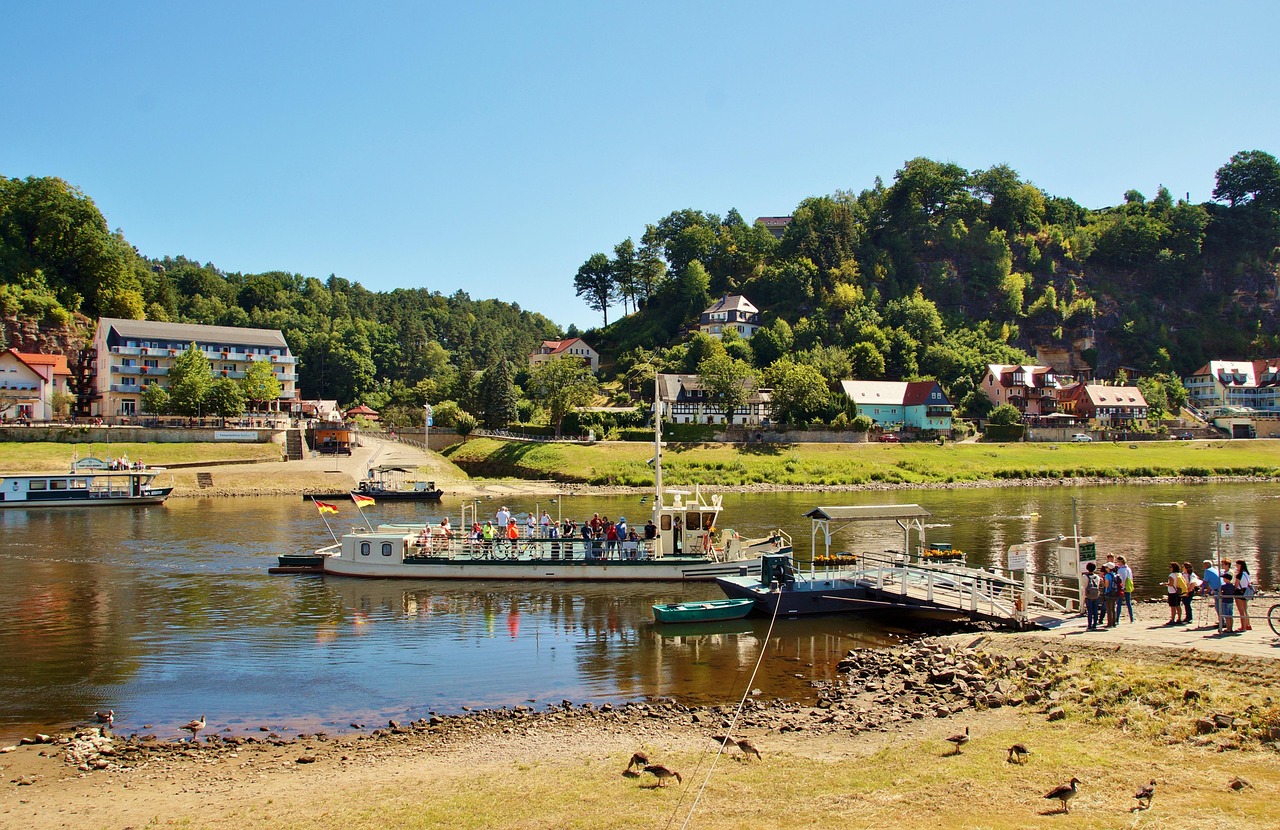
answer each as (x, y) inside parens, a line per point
(700, 612)
(665, 569)
(158, 497)
(379, 495)
(802, 597)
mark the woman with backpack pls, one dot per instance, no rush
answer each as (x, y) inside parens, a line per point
(1125, 573)
(1175, 586)
(1092, 596)
(1193, 588)
(1111, 590)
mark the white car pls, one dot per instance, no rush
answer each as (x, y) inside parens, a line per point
(1081, 438)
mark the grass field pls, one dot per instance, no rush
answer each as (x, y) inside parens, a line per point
(620, 463)
(47, 456)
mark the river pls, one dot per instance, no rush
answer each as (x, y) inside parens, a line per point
(166, 613)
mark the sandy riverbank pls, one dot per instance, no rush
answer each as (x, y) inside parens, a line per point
(869, 752)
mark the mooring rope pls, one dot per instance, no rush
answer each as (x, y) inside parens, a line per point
(733, 723)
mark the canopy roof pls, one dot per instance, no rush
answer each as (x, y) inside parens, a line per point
(870, 512)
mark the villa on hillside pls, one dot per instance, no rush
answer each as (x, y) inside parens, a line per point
(730, 311)
(913, 405)
(775, 225)
(27, 384)
(683, 400)
(573, 347)
(1032, 389)
(1106, 404)
(126, 355)
(1244, 384)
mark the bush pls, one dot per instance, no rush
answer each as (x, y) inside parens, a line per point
(1005, 415)
(464, 424)
(863, 423)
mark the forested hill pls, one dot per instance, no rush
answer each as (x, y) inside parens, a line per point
(60, 265)
(946, 269)
(935, 275)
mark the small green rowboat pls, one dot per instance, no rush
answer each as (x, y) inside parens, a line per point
(705, 611)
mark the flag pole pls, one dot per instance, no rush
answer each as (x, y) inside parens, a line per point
(362, 515)
(326, 522)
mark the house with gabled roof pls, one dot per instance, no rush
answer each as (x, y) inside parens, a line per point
(775, 225)
(28, 381)
(1033, 390)
(572, 347)
(913, 405)
(1243, 384)
(682, 399)
(1107, 404)
(730, 311)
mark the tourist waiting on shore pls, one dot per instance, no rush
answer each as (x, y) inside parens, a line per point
(1092, 596)
(1111, 589)
(1126, 576)
(1243, 593)
(1175, 588)
(1211, 586)
(1226, 602)
(1193, 588)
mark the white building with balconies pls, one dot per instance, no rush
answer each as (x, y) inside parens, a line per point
(129, 354)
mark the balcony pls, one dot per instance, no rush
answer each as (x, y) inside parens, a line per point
(129, 390)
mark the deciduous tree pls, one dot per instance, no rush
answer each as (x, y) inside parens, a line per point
(560, 385)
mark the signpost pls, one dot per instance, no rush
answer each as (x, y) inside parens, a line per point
(426, 426)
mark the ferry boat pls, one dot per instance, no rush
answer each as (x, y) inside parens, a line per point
(388, 483)
(685, 542)
(82, 487)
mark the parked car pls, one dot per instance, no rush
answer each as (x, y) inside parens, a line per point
(1081, 438)
(889, 438)
(1183, 436)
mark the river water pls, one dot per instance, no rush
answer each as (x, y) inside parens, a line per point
(166, 613)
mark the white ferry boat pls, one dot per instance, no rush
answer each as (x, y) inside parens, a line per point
(686, 541)
(82, 487)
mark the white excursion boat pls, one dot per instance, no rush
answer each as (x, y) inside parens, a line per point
(87, 485)
(685, 543)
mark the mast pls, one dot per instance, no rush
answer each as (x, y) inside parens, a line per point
(658, 499)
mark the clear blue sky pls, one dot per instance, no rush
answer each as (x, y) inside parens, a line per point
(493, 147)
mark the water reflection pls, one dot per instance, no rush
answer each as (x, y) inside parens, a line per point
(162, 613)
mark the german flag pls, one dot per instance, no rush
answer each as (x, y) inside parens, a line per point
(362, 501)
(325, 507)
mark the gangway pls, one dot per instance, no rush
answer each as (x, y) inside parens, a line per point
(867, 582)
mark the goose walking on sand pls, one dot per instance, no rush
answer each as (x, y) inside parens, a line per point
(1064, 793)
(1145, 794)
(194, 727)
(662, 774)
(959, 740)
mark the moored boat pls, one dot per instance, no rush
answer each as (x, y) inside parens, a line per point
(85, 486)
(704, 611)
(388, 483)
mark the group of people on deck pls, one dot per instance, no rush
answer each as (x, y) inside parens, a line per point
(601, 537)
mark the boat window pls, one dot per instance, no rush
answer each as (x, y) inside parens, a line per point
(665, 522)
(692, 521)
(708, 520)
(37, 484)
(58, 484)
(364, 548)
(79, 484)
(386, 548)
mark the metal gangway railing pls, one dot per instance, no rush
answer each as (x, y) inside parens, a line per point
(974, 591)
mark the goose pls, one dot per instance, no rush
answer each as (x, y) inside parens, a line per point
(1144, 795)
(194, 727)
(638, 759)
(748, 748)
(1018, 754)
(1064, 793)
(662, 774)
(959, 740)
(108, 717)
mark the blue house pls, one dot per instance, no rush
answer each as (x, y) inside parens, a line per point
(914, 405)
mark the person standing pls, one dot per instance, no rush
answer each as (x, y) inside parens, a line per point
(1175, 587)
(1126, 583)
(1193, 587)
(503, 516)
(545, 521)
(1092, 596)
(531, 525)
(1211, 586)
(1110, 593)
(1243, 593)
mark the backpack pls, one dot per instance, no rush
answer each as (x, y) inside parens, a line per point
(1183, 590)
(1092, 587)
(1113, 585)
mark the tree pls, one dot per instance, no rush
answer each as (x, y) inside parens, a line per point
(190, 379)
(626, 271)
(61, 403)
(155, 399)
(866, 360)
(1153, 392)
(561, 384)
(594, 283)
(225, 399)
(800, 392)
(1006, 414)
(1250, 176)
(728, 382)
(498, 395)
(260, 384)
(772, 342)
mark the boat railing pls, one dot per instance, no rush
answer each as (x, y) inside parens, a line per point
(437, 544)
(954, 586)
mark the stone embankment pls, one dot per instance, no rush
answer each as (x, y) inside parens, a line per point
(877, 690)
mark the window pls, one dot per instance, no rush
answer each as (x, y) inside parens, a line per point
(386, 548)
(128, 407)
(364, 548)
(58, 484)
(38, 484)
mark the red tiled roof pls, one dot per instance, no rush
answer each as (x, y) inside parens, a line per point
(57, 361)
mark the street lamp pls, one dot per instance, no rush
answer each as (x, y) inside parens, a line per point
(426, 426)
